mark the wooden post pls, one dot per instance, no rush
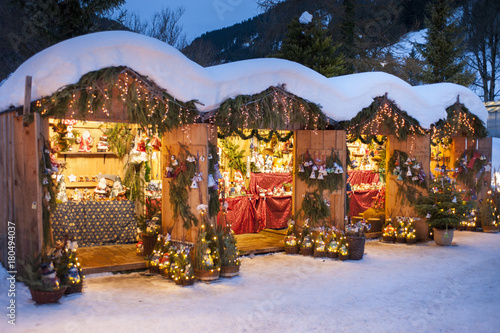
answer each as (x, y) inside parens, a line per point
(27, 95)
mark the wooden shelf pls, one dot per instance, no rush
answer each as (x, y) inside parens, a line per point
(80, 184)
(69, 153)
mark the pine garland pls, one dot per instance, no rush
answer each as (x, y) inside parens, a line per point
(255, 133)
(146, 103)
(459, 122)
(273, 108)
(386, 113)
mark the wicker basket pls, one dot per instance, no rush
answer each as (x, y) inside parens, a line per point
(411, 240)
(204, 275)
(148, 243)
(319, 254)
(74, 288)
(389, 239)
(343, 257)
(400, 239)
(154, 269)
(491, 229)
(229, 271)
(356, 246)
(292, 249)
(45, 297)
(307, 251)
(333, 255)
(184, 282)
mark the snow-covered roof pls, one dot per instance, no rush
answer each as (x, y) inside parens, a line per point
(341, 98)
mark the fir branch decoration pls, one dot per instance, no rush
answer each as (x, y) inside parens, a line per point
(331, 182)
(119, 138)
(383, 115)
(234, 156)
(178, 188)
(145, 102)
(472, 177)
(213, 193)
(314, 208)
(273, 108)
(459, 122)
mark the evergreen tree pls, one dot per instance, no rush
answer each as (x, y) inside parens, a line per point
(444, 50)
(442, 205)
(56, 20)
(347, 30)
(309, 45)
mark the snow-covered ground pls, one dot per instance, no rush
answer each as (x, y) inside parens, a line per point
(395, 288)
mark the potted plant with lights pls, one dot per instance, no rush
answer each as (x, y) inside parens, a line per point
(488, 214)
(320, 244)
(207, 261)
(443, 208)
(411, 233)
(181, 268)
(41, 278)
(314, 209)
(333, 245)
(291, 241)
(343, 250)
(389, 232)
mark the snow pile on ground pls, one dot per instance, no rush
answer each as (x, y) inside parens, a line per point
(341, 98)
(395, 288)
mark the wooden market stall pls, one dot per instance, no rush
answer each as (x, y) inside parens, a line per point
(192, 112)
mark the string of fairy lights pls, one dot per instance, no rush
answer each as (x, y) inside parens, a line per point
(155, 100)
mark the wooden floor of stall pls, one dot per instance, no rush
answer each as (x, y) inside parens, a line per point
(123, 257)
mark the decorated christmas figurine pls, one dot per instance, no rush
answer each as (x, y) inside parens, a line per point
(86, 142)
(102, 145)
(118, 190)
(49, 275)
(101, 191)
(61, 188)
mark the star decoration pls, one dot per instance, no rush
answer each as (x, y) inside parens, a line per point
(487, 168)
(72, 178)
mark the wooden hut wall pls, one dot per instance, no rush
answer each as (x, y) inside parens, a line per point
(417, 147)
(195, 137)
(21, 195)
(320, 144)
(483, 146)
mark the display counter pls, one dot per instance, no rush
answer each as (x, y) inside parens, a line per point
(94, 223)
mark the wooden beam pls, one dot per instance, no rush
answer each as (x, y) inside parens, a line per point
(27, 95)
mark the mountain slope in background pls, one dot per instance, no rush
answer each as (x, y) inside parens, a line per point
(379, 23)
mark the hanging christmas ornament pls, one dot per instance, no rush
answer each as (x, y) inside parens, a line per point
(45, 180)
(428, 216)
(211, 181)
(408, 173)
(314, 168)
(399, 177)
(320, 176)
(313, 175)
(199, 177)
(194, 184)
(168, 172)
(202, 158)
(301, 168)
(210, 156)
(416, 166)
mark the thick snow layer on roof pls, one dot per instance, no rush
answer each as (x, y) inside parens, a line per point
(341, 98)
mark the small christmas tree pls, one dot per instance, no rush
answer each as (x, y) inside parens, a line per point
(181, 268)
(442, 205)
(291, 241)
(207, 256)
